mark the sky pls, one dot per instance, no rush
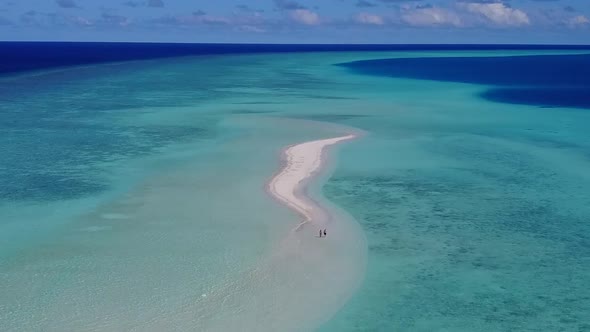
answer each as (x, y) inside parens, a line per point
(299, 21)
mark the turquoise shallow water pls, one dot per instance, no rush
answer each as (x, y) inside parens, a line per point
(476, 213)
(128, 207)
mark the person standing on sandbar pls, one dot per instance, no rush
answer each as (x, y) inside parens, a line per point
(320, 233)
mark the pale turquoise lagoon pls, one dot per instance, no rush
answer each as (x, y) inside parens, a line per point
(131, 192)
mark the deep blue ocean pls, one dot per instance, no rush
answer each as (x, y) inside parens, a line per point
(541, 80)
(22, 56)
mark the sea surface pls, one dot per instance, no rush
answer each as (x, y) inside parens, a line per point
(132, 186)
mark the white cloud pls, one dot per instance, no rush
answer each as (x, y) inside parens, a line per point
(431, 16)
(578, 21)
(251, 28)
(499, 14)
(191, 20)
(366, 18)
(110, 17)
(207, 19)
(305, 16)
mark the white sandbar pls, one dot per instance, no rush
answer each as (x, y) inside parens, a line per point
(302, 162)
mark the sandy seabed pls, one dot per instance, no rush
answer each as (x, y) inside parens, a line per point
(306, 279)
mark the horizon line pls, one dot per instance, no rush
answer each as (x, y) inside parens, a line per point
(290, 44)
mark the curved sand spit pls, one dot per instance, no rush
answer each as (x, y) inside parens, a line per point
(302, 162)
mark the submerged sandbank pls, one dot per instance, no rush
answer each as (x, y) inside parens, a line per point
(305, 280)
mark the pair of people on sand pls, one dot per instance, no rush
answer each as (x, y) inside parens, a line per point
(323, 231)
